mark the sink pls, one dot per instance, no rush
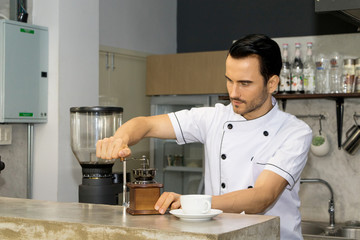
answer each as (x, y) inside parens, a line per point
(321, 230)
(351, 232)
(312, 228)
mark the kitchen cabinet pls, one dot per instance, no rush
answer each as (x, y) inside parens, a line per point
(186, 73)
(120, 71)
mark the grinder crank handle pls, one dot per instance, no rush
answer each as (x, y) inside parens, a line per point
(123, 160)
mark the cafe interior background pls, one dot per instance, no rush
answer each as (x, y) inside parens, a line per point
(82, 33)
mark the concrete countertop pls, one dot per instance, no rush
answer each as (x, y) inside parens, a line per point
(34, 219)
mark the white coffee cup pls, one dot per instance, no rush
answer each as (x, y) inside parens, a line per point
(195, 203)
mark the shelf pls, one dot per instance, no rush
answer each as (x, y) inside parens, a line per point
(182, 169)
(285, 96)
(338, 97)
(316, 95)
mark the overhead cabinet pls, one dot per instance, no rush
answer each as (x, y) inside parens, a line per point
(186, 73)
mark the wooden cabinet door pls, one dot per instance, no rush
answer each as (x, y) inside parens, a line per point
(186, 73)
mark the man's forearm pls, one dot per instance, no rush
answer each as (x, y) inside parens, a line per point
(267, 189)
(133, 130)
(248, 200)
(142, 127)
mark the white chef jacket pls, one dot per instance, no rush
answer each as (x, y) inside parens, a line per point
(238, 150)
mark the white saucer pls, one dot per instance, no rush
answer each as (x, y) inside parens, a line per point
(195, 217)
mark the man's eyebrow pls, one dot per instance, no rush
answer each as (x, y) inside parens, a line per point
(244, 81)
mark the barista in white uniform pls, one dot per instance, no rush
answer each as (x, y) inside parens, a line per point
(254, 153)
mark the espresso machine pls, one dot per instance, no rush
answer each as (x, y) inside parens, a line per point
(87, 126)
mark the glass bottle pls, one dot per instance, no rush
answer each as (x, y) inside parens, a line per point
(285, 74)
(335, 73)
(357, 75)
(309, 70)
(297, 77)
(322, 74)
(348, 75)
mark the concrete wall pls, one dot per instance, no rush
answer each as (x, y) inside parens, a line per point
(13, 179)
(338, 168)
(143, 26)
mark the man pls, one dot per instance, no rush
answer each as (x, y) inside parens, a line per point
(254, 153)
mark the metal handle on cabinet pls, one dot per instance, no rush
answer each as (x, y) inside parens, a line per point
(113, 61)
(107, 61)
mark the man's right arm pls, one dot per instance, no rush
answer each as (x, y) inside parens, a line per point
(131, 133)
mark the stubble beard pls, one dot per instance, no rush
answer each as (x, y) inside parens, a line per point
(252, 106)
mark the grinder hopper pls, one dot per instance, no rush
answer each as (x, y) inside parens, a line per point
(87, 126)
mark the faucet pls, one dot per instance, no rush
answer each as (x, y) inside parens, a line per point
(331, 200)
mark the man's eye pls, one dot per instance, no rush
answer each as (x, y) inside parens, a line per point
(244, 83)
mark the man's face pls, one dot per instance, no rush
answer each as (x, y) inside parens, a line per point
(248, 94)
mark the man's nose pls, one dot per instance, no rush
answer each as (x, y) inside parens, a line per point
(235, 91)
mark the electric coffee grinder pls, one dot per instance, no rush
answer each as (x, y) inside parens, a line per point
(87, 126)
(144, 191)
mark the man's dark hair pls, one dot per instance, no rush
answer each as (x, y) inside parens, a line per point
(264, 47)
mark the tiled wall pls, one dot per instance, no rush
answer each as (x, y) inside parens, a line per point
(338, 168)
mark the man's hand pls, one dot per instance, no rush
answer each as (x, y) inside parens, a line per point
(112, 148)
(166, 200)
(132, 132)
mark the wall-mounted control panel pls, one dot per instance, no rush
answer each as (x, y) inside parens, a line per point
(23, 72)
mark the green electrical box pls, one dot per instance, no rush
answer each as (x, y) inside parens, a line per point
(23, 72)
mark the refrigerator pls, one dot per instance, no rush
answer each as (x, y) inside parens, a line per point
(179, 167)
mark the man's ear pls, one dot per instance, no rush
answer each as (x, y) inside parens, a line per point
(273, 83)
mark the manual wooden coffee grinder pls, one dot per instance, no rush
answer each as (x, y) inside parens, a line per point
(144, 191)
